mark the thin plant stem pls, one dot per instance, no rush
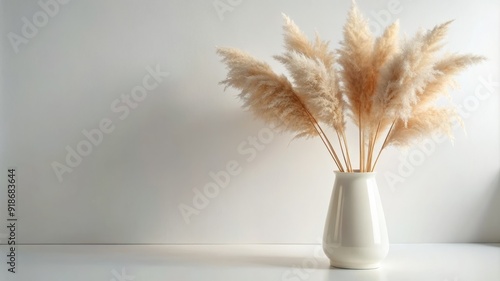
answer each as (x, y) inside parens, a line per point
(372, 147)
(326, 141)
(368, 158)
(384, 144)
(323, 137)
(332, 153)
(361, 145)
(347, 151)
(364, 149)
(342, 150)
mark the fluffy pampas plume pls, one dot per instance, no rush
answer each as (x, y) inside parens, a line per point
(267, 94)
(385, 85)
(270, 96)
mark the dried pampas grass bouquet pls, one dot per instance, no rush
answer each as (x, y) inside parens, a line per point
(387, 86)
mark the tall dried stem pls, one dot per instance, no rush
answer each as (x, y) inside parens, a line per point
(384, 144)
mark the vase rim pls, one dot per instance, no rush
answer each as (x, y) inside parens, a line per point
(354, 172)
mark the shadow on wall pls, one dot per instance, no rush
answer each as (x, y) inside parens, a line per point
(490, 226)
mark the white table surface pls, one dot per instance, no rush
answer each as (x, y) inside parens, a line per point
(423, 262)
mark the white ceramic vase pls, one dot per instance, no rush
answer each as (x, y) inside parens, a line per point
(355, 233)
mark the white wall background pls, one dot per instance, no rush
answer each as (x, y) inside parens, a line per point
(66, 78)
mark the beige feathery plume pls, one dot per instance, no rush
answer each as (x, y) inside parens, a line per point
(268, 95)
(423, 124)
(355, 58)
(386, 46)
(433, 39)
(357, 74)
(271, 97)
(311, 67)
(447, 68)
(379, 83)
(297, 41)
(318, 88)
(385, 49)
(408, 74)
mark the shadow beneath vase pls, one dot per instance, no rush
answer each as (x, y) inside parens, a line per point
(303, 262)
(247, 255)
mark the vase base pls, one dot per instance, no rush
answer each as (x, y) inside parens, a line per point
(348, 265)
